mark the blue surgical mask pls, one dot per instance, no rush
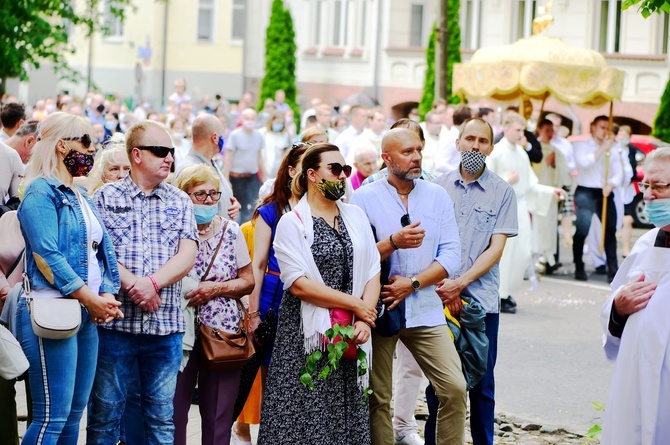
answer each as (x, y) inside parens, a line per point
(658, 211)
(220, 143)
(204, 214)
(277, 128)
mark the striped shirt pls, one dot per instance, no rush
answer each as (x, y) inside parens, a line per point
(145, 231)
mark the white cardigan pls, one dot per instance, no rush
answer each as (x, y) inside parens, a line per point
(292, 244)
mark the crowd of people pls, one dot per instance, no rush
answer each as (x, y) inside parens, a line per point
(214, 214)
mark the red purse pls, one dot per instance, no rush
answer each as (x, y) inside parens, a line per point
(343, 318)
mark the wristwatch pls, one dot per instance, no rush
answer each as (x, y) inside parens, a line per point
(415, 284)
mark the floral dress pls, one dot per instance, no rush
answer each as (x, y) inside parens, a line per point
(334, 412)
(221, 312)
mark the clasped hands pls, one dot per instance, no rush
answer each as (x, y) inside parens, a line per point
(144, 295)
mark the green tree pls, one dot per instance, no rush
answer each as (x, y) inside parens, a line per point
(38, 31)
(453, 46)
(280, 51)
(428, 96)
(662, 121)
(648, 7)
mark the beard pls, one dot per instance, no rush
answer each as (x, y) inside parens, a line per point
(405, 175)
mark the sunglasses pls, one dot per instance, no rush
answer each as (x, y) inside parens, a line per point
(157, 150)
(85, 140)
(405, 221)
(338, 168)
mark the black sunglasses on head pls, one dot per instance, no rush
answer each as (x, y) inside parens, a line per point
(404, 220)
(338, 168)
(157, 150)
(85, 140)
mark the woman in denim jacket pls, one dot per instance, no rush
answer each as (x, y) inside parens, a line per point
(68, 255)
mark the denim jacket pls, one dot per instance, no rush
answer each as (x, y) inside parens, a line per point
(54, 229)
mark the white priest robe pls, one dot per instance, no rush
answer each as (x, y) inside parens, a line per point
(545, 228)
(638, 406)
(531, 196)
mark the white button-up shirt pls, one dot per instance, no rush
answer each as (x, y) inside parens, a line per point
(591, 171)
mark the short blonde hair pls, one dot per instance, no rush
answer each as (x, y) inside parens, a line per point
(55, 127)
(135, 134)
(196, 175)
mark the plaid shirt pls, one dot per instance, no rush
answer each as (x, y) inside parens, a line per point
(145, 231)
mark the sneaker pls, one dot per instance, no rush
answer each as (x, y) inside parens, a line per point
(410, 439)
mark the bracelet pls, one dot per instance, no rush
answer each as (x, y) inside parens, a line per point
(153, 281)
(392, 243)
(254, 314)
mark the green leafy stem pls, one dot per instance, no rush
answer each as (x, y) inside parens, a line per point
(335, 350)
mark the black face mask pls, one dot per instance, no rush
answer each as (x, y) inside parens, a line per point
(100, 108)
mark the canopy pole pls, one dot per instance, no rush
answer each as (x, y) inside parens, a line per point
(603, 215)
(544, 99)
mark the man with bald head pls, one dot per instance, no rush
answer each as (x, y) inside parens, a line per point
(414, 221)
(207, 142)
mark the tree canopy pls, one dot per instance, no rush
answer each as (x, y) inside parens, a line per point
(648, 7)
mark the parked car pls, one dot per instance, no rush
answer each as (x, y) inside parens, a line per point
(644, 145)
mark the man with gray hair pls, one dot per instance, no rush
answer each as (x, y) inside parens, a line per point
(24, 139)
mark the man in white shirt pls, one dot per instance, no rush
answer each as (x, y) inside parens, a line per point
(324, 115)
(375, 131)
(436, 135)
(358, 118)
(448, 157)
(591, 157)
(415, 222)
(510, 161)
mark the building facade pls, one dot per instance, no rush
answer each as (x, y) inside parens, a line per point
(201, 41)
(377, 47)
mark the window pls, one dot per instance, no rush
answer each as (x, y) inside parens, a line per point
(239, 17)
(525, 16)
(416, 26)
(470, 30)
(339, 23)
(361, 27)
(113, 24)
(609, 35)
(206, 20)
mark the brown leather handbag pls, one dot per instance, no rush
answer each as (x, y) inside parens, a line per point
(223, 351)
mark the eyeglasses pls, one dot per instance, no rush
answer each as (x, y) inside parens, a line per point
(85, 140)
(201, 196)
(338, 168)
(157, 150)
(655, 187)
(405, 221)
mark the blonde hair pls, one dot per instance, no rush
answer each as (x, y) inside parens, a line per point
(196, 175)
(116, 146)
(311, 133)
(45, 161)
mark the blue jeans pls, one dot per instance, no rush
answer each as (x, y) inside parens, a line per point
(61, 375)
(158, 358)
(587, 202)
(482, 396)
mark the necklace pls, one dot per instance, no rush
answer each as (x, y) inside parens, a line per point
(206, 229)
(405, 194)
